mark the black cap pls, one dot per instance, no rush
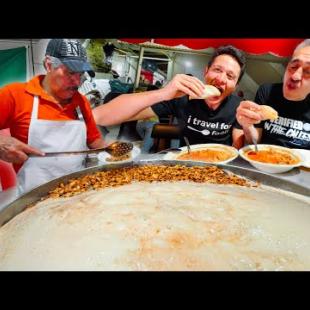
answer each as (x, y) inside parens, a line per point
(71, 53)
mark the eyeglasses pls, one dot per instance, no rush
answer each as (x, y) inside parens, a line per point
(84, 76)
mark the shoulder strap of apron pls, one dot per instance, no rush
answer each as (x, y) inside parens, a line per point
(35, 108)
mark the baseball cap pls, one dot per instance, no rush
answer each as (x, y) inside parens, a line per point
(71, 53)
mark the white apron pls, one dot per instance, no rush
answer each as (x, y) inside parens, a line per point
(51, 136)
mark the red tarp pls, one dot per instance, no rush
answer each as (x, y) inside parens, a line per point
(279, 47)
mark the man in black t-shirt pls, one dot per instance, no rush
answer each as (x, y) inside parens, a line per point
(199, 122)
(291, 99)
(211, 120)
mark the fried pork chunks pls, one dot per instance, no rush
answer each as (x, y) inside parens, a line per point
(121, 176)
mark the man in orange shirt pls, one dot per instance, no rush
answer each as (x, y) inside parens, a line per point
(42, 117)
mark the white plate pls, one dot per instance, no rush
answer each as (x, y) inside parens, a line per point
(305, 154)
(270, 168)
(134, 153)
(174, 155)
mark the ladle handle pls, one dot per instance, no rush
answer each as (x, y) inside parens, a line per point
(84, 152)
(253, 134)
(187, 144)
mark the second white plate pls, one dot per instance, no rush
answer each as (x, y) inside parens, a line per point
(305, 154)
(196, 147)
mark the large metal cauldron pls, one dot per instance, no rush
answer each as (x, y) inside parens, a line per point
(36, 194)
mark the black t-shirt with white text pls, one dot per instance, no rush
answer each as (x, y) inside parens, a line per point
(199, 123)
(292, 127)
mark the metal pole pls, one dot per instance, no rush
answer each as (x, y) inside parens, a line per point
(170, 69)
(137, 80)
(32, 60)
(152, 58)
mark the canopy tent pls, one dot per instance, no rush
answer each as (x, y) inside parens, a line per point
(280, 47)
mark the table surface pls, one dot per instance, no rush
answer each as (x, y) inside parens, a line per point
(300, 176)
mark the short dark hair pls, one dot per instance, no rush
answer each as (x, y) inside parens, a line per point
(232, 51)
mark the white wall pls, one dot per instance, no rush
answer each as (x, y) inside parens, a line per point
(38, 56)
(193, 64)
(7, 44)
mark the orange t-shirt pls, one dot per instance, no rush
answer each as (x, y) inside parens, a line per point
(16, 102)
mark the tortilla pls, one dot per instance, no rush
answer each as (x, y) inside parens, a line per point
(268, 112)
(209, 91)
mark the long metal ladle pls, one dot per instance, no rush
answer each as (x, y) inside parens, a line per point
(115, 149)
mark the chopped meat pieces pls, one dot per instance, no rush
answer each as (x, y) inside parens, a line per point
(149, 173)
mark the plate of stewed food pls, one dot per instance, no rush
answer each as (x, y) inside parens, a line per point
(271, 158)
(209, 152)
